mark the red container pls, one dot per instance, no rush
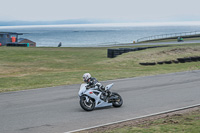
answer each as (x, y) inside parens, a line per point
(0, 44)
(13, 39)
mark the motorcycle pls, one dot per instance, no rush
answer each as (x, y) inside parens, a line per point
(95, 98)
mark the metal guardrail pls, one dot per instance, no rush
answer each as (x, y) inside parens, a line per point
(162, 36)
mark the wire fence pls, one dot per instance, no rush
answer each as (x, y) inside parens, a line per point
(172, 35)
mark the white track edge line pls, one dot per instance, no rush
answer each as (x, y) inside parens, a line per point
(154, 114)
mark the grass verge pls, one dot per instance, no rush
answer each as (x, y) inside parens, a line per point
(28, 68)
(176, 123)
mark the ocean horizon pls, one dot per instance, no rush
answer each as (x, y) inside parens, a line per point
(88, 35)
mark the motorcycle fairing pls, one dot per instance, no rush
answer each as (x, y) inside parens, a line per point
(95, 94)
(108, 87)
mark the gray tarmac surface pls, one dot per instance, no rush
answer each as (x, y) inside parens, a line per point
(173, 42)
(57, 109)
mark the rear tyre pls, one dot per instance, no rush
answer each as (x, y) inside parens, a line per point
(119, 101)
(87, 106)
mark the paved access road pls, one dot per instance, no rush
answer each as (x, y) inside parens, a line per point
(172, 42)
(157, 43)
(57, 110)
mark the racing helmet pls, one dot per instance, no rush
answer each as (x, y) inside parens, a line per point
(86, 76)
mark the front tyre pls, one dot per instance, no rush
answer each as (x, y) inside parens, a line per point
(87, 106)
(119, 101)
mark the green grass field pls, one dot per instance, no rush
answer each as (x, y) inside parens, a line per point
(29, 68)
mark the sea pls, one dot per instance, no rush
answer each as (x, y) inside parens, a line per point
(94, 35)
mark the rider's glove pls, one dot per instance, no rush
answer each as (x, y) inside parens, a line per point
(98, 84)
(102, 88)
(87, 87)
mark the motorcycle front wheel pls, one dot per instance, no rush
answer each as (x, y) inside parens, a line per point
(119, 101)
(87, 106)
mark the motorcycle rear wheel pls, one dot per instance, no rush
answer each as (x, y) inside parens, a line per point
(87, 106)
(119, 102)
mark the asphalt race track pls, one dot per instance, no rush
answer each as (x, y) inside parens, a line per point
(57, 109)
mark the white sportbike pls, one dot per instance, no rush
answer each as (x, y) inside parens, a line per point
(94, 97)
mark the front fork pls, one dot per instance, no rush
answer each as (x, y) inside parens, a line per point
(87, 99)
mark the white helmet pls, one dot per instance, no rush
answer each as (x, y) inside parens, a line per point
(86, 76)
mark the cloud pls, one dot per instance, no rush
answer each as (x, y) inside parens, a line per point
(134, 10)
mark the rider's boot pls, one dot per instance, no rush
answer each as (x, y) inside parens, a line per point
(106, 92)
(109, 93)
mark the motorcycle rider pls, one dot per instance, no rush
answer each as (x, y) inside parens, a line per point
(92, 82)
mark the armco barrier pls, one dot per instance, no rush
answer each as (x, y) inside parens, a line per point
(112, 53)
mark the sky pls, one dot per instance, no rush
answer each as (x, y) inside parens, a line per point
(116, 10)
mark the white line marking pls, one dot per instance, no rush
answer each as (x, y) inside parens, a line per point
(154, 114)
